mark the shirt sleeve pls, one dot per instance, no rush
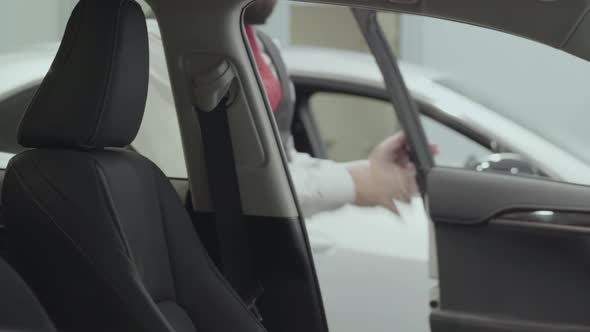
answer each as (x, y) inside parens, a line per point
(321, 185)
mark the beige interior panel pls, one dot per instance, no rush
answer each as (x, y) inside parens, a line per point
(264, 187)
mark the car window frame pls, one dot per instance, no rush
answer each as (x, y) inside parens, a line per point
(307, 86)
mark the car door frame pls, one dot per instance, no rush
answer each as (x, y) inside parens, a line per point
(501, 266)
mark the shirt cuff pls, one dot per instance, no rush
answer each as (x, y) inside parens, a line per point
(338, 187)
(322, 185)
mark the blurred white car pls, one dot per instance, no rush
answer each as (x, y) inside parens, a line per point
(376, 270)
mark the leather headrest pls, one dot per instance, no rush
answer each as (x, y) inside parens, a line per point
(95, 92)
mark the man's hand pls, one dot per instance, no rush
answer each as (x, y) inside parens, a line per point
(390, 175)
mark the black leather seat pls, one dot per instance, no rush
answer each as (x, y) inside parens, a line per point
(20, 311)
(98, 232)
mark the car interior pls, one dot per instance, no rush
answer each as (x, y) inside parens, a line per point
(83, 216)
(143, 256)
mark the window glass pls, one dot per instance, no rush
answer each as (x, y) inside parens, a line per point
(351, 126)
(315, 25)
(27, 47)
(11, 111)
(454, 149)
(4, 159)
(531, 97)
(159, 136)
(28, 42)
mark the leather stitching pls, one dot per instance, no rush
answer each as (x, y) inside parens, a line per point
(111, 206)
(55, 67)
(117, 224)
(165, 229)
(109, 71)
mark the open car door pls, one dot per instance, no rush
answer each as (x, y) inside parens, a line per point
(513, 252)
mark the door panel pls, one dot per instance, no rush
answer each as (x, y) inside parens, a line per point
(491, 194)
(463, 323)
(513, 252)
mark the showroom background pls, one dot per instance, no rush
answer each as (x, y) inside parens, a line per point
(532, 84)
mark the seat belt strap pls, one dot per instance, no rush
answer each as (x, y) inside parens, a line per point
(235, 250)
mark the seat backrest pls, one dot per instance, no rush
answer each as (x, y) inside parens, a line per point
(19, 309)
(97, 231)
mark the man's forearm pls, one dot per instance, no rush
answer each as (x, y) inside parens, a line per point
(321, 185)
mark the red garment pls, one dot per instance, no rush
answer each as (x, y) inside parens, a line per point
(272, 85)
